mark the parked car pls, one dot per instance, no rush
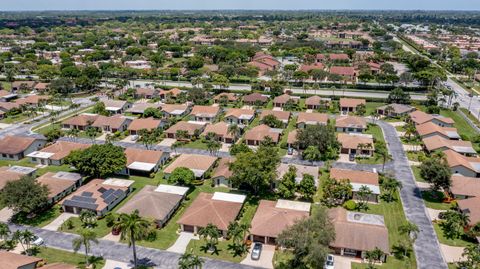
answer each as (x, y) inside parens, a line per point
(351, 157)
(290, 151)
(329, 263)
(256, 251)
(38, 241)
(134, 137)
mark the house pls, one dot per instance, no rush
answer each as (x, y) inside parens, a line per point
(6, 96)
(144, 162)
(264, 62)
(349, 124)
(116, 106)
(283, 99)
(356, 233)
(443, 121)
(113, 124)
(80, 122)
(6, 107)
(23, 85)
(175, 110)
(60, 184)
(227, 96)
(346, 72)
(342, 57)
(139, 108)
(305, 119)
(358, 179)
(13, 173)
(98, 195)
(222, 173)
(292, 139)
(157, 203)
(459, 164)
(220, 129)
(257, 134)
(16, 148)
(283, 168)
(169, 94)
(33, 100)
(466, 191)
(419, 117)
(10, 260)
(357, 144)
(308, 67)
(350, 105)
(316, 102)
(205, 113)
(41, 87)
(395, 110)
(239, 116)
(148, 124)
(430, 129)
(439, 143)
(255, 99)
(218, 209)
(55, 154)
(283, 116)
(273, 217)
(148, 93)
(58, 266)
(189, 129)
(199, 164)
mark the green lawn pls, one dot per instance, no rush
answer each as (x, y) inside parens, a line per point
(197, 144)
(15, 118)
(459, 242)
(41, 219)
(100, 229)
(372, 107)
(415, 155)
(51, 255)
(416, 173)
(434, 200)
(464, 129)
(222, 253)
(377, 134)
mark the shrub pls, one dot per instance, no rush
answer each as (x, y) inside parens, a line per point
(350, 205)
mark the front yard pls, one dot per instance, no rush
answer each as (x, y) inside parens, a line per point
(51, 255)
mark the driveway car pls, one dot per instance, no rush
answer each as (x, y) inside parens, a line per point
(256, 251)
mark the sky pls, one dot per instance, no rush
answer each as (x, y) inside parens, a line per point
(13, 5)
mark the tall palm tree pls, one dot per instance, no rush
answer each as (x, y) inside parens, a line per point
(410, 130)
(188, 260)
(4, 231)
(234, 130)
(210, 234)
(132, 227)
(73, 133)
(87, 237)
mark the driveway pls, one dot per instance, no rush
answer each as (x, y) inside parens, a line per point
(265, 261)
(345, 158)
(452, 254)
(5, 214)
(56, 223)
(111, 264)
(427, 247)
(167, 142)
(182, 242)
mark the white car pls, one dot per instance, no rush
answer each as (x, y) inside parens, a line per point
(134, 137)
(329, 263)
(256, 251)
(38, 241)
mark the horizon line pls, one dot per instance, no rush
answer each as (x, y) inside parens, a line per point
(236, 9)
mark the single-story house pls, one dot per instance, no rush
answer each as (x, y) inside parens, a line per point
(292, 138)
(139, 108)
(6, 96)
(283, 116)
(191, 129)
(199, 164)
(273, 217)
(148, 124)
(430, 129)
(317, 102)
(419, 117)
(33, 100)
(282, 169)
(358, 179)
(281, 100)
(16, 148)
(60, 184)
(175, 110)
(308, 67)
(358, 144)
(220, 129)
(55, 153)
(222, 173)
(228, 96)
(346, 72)
(12, 260)
(466, 191)
(23, 85)
(350, 124)
(98, 195)
(113, 124)
(158, 203)
(116, 106)
(80, 122)
(205, 113)
(459, 164)
(148, 93)
(41, 87)
(142, 161)
(257, 134)
(172, 93)
(218, 209)
(439, 143)
(395, 110)
(304, 119)
(239, 116)
(356, 233)
(350, 104)
(255, 99)
(13, 173)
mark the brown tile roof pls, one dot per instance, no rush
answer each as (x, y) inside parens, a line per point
(32, 99)
(355, 176)
(9, 106)
(15, 144)
(254, 97)
(283, 99)
(140, 107)
(356, 235)
(174, 92)
(338, 56)
(312, 118)
(81, 120)
(7, 175)
(455, 159)
(205, 210)
(146, 91)
(219, 128)
(62, 149)
(292, 137)
(258, 133)
(18, 84)
(308, 67)
(343, 70)
(184, 126)
(349, 141)
(148, 123)
(471, 208)
(230, 96)
(270, 220)
(315, 100)
(12, 260)
(205, 111)
(238, 112)
(351, 122)
(419, 117)
(56, 183)
(143, 155)
(41, 86)
(431, 128)
(59, 266)
(351, 102)
(466, 186)
(169, 108)
(114, 122)
(4, 93)
(436, 142)
(222, 169)
(192, 162)
(280, 115)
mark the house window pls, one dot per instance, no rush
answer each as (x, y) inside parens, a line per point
(34, 159)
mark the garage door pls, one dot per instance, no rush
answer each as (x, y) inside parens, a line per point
(188, 228)
(69, 209)
(260, 239)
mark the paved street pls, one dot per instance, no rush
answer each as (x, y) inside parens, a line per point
(427, 247)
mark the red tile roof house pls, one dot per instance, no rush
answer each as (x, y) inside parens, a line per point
(55, 154)
(350, 104)
(205, 113)
(239, 116)
(308, 67)
(191, 129)
(292, 139)
(304, 119)
(316, 102)
(264, 62)
(199, 164)
(281, 100)
(98, 195)
(220, 129)
(459, 164)
(283, 116)
(23, 85)
(430, 129)
(346, 72)
(357, 144)
(113, 124)
(148, 124)
(13, 173)
(147, 93)
(466, 191)
(175, 110)
(173, 93)
(257, 134)
(144, 162)
(218, 209)
(438, 143)
(80, 122)
(255, 99)
(116, 106)
(340, 57)
(358, 179)
(222, 173)
(60, 184)
(12, 260)
(356, 233)
(350, 124)
(419, 117)
(273, 217)
(33, 100)
(228, 96)
(283, 168)
(16, 148)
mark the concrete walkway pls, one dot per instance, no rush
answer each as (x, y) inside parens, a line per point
(182, 242)
(6, 214)
(427, 247)
(433, 213)
(111, 264)
(452, 254)
(57, 223)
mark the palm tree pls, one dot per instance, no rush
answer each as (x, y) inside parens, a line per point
(132, 227)
(213, 146)
(87, 237)
(234, 130)
(4, 231)
(238, 232)
(210, 234)
(390, 185)
(188, 260)
(181, 134)
(92, 132)
(410, 130)
(88, 218)
(389, 110)
(73, 133)
(25, 238)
